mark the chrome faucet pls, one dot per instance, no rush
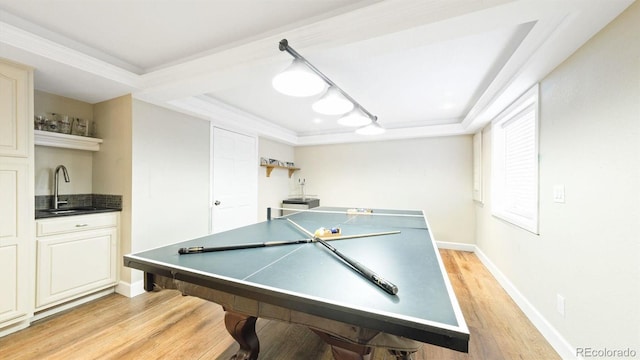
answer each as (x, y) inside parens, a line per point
(302, 182)
(56, 202)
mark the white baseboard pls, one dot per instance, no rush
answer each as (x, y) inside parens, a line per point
(15, 327)
(71, 304)
(130, 289)
(456, 246)
(562, 347)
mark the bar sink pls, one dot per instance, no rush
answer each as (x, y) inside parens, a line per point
(79, 210)
(71, 210)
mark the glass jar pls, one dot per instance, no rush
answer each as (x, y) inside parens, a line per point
(39, 122)
(80, 127)
(64, 123)
(51, 124)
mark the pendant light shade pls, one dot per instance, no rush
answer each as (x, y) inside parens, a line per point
(332, 103)
(372, 129)
(354, 119)
(302, 79)
(298, 80)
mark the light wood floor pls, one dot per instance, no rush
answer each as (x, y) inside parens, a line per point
(166, 325)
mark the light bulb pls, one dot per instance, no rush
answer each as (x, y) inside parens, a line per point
(332, 103)
(298, 80)
(354, 119)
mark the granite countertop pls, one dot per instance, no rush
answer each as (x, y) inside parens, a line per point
(81, 210)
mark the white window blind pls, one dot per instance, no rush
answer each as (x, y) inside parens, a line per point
(477, 166)
(515, 163)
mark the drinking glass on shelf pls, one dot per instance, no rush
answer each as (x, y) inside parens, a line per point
(92, 129)
(51, 124)
(40, 122)
(65, 124)
(80, 127)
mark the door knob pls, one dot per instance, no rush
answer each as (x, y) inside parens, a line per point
(216, 203)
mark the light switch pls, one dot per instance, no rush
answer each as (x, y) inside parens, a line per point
(558, 194)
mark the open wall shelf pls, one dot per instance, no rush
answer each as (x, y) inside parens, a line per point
(271, 167)
(48, 138)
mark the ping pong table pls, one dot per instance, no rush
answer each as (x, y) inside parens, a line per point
(308, 284)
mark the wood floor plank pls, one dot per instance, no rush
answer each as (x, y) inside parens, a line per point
(167, 325)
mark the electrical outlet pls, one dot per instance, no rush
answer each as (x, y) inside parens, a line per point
(558, 194)
(560, 304)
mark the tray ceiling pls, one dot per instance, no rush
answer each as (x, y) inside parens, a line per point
(425, 68)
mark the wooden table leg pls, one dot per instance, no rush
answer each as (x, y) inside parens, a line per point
(344, 354)
(401, 355)
(343, 350)
(243, 329)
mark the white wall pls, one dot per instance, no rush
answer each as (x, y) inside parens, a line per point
(432, 174)
(170, 177)
(275, 188)
(588, 250)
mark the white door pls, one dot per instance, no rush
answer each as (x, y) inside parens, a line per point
(234, 176)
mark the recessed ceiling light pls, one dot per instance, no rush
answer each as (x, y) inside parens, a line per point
(447, 105)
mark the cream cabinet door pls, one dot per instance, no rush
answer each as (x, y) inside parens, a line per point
(9, 301)
(76, 264)
(14, 241)
(16, 110)
(16, 196)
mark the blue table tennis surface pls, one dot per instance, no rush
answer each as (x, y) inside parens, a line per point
(309, 277)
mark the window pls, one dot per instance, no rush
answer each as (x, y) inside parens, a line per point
(477, 166)
(514, 165)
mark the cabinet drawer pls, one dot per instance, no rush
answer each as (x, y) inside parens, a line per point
(75, 223)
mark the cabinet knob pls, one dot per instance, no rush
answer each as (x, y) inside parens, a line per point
(81, 225)
(216, 203)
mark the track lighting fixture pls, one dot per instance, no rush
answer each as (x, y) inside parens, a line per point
(303, 79)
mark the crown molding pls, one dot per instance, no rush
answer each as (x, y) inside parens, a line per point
(35, 44)
(560, 29)
(390, 134)
(231, 118)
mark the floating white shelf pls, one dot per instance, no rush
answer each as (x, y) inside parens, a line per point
(47, 138)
